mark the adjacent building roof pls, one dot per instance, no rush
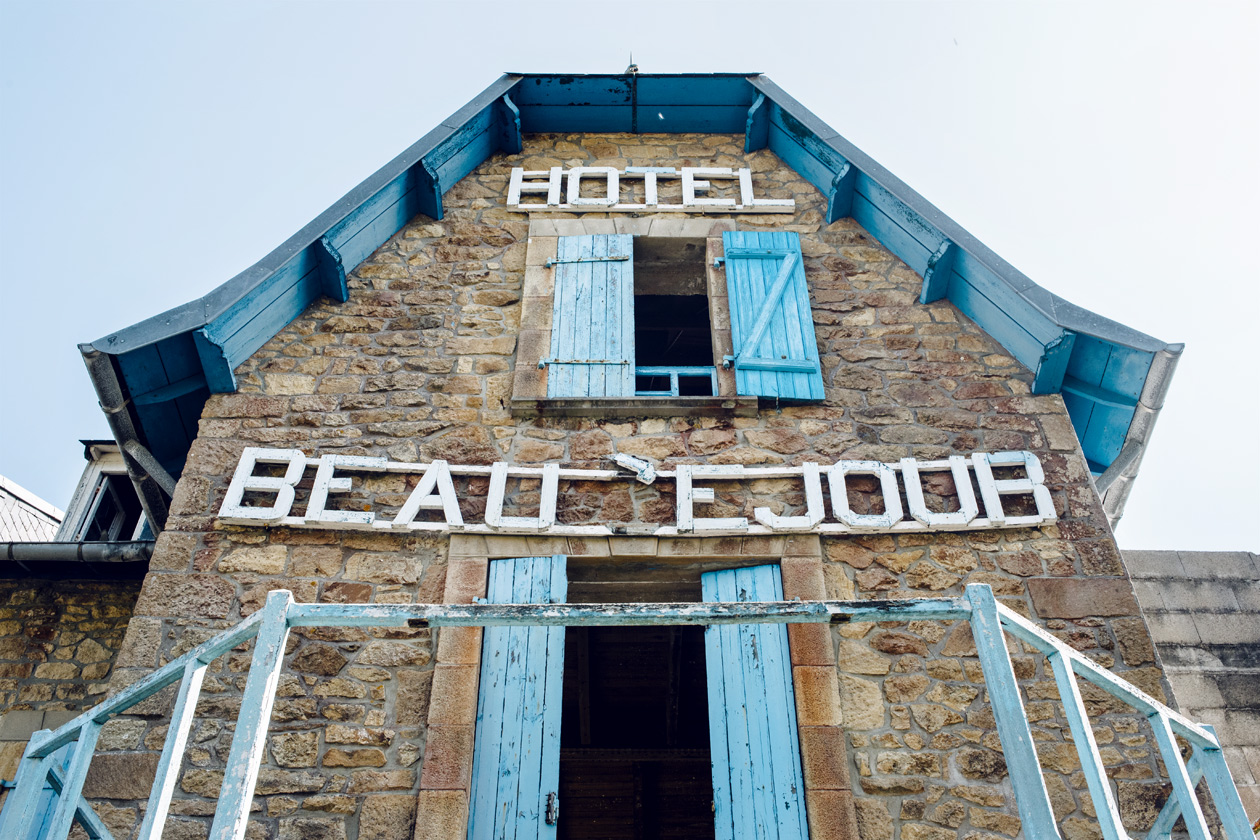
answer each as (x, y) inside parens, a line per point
(25, 517)
(154, 377)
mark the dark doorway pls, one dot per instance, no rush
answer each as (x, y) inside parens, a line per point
(634, 742)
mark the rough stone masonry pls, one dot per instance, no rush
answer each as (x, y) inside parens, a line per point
(422, 362)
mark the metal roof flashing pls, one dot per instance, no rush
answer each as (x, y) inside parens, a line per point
(153, 378)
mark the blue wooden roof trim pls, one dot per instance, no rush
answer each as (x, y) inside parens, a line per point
(167, 365)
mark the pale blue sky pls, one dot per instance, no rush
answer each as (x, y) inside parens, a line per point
(150, 151)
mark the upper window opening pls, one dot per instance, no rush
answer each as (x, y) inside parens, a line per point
(672, 333)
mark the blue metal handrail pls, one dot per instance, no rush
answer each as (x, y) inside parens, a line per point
(269, 629)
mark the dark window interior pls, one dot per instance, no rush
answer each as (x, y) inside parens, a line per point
(116, 511)
(671, 311)
(634, 742)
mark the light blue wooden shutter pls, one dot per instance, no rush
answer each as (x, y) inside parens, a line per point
(758, 791)
(592, 325)
(516, 755)
(772, 326)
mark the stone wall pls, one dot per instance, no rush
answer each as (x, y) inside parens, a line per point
(58, 640)
(418, 365)
(1204, 613)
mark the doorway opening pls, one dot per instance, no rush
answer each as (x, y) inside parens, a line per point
(634, 733)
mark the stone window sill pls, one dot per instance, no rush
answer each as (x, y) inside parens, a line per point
(636, 407)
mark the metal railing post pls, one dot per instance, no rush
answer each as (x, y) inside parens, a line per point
(1224, 792)
(19, 808)
(241, 773)
(1031, 797)
(173, 750)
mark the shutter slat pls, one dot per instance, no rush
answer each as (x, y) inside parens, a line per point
(593, 318)
(516, 754)
(783, 359)
(758, 787)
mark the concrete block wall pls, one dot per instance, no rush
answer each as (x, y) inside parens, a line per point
(1203, 610)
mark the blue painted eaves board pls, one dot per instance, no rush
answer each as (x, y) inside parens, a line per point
(691, 119)
(695, 90)
(595, 119)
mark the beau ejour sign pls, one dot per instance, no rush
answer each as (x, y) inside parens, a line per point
(827, 509)
(561, 190)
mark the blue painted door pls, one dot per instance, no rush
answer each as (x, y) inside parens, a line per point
(772, 325)
(758, 790)
(592, 325)
(516, 755)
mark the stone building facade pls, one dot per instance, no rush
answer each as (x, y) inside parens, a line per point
(433, 356)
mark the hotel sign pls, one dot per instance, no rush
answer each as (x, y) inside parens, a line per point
(433, 505)
(561, 190)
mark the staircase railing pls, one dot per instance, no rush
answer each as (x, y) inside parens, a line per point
(41, 764)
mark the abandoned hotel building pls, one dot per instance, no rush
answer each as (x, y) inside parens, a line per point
(630, 457)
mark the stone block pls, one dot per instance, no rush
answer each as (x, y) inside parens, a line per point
(465, 579)
(447, 758)
(1077, 598)
(1172, 628)
(831, 815)
(459, 646)
(823, 758)
(187, 596)
(817, 695)
(454, 695)
(442, 815)
(414, 688)
(803, 578)
(1220, 564)
(120, 776)
(387, 817)
(20, 725)
(1154, 564)
(810, 644)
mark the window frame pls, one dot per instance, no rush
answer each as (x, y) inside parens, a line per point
(529, 387)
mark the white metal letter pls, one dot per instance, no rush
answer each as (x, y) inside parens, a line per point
(888, 487)
(244, 479)
(691, 186)
(437, 477)
(814, 508)
(967, 508)
(575, 186)
(992, 490)
(688, 496)
(325, 483)
(546, 506)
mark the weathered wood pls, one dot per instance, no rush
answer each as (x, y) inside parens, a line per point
(1042, 640)
(177, 732)
(1087, 749)
(18, 815)
(647, 614)
(84, 814)
(71, 793)
(1183, 788)
(1171, 812)
(1224, 792)
(240, 774)
(1008, 712)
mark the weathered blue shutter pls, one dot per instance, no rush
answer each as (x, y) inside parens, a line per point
(592, 325)
(772, 326)
(516, 755)
(758, 791)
